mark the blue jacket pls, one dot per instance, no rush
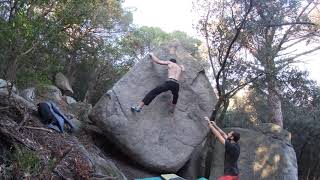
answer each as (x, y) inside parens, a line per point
(51, 113)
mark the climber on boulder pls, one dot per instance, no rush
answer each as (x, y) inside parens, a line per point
(232, 150)
(174, 73)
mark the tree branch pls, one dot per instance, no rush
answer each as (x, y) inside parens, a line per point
(230, 46)
(207, 41)
(38, 128)
(2, 2)
(235, 90)
(303, 53)
(291, 23)
(294, 43)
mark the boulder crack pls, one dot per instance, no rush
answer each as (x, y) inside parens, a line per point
(122, 110)
(197, 76)
(184, 143)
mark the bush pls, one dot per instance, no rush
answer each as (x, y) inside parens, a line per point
(27, 161)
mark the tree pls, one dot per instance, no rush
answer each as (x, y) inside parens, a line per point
(231, 27)
(191, 44)
(300, 103)
(262, 45)
(274, 28)
(222, 31)
(142, 40)
(40, 38)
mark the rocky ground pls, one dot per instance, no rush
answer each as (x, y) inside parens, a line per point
(54, 154)
(29, 150)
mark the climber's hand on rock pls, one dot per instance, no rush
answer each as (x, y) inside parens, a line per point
(151, 55)
(209, 122)
(213, 123)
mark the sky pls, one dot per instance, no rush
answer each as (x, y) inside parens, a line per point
(171, 15)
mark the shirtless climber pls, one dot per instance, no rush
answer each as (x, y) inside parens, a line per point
(174, 73)
(232, 151)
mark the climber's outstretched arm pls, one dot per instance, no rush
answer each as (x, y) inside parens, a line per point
(217, 128)
(157, 60)
(220, 131)
(221, 139)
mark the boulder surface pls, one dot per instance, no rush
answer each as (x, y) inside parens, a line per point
(62, 82)
(155, 138)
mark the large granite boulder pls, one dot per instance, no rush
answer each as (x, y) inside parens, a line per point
(81, 110)
(266, 154)
(48, 92)
(195, 167)
(103, 167)
(62, 82)
(5, 85)
(42, 93)
(156, 138)
(29, 94)
(18, 99)
(69, 100)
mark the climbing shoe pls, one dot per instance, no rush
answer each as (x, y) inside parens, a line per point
(135, 109)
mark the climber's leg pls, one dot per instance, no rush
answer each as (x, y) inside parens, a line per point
(150, 96)
(174, 88)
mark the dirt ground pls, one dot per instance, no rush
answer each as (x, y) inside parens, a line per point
(58, 153)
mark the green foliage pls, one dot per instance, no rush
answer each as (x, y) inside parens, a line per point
(40, 38)
(27, 161)
(76, 37)
(190, 43)
(92, 42)
(52, 164)
(299, 94)
(141, 41)
(28, 77)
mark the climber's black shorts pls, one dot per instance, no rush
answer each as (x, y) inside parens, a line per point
(170, 84)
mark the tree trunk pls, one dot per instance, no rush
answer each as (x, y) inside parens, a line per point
(275, 105)
(273, 94)
(70, 67)
(87, 97)
(217, 107)
(208, 155)
(223, 111)
(12, 69)
(95, 76)
(11, 72)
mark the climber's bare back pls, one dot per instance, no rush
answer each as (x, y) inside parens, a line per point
(174, 71)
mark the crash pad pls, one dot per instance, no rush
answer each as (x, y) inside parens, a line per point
(171, 177)
(151, 178)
